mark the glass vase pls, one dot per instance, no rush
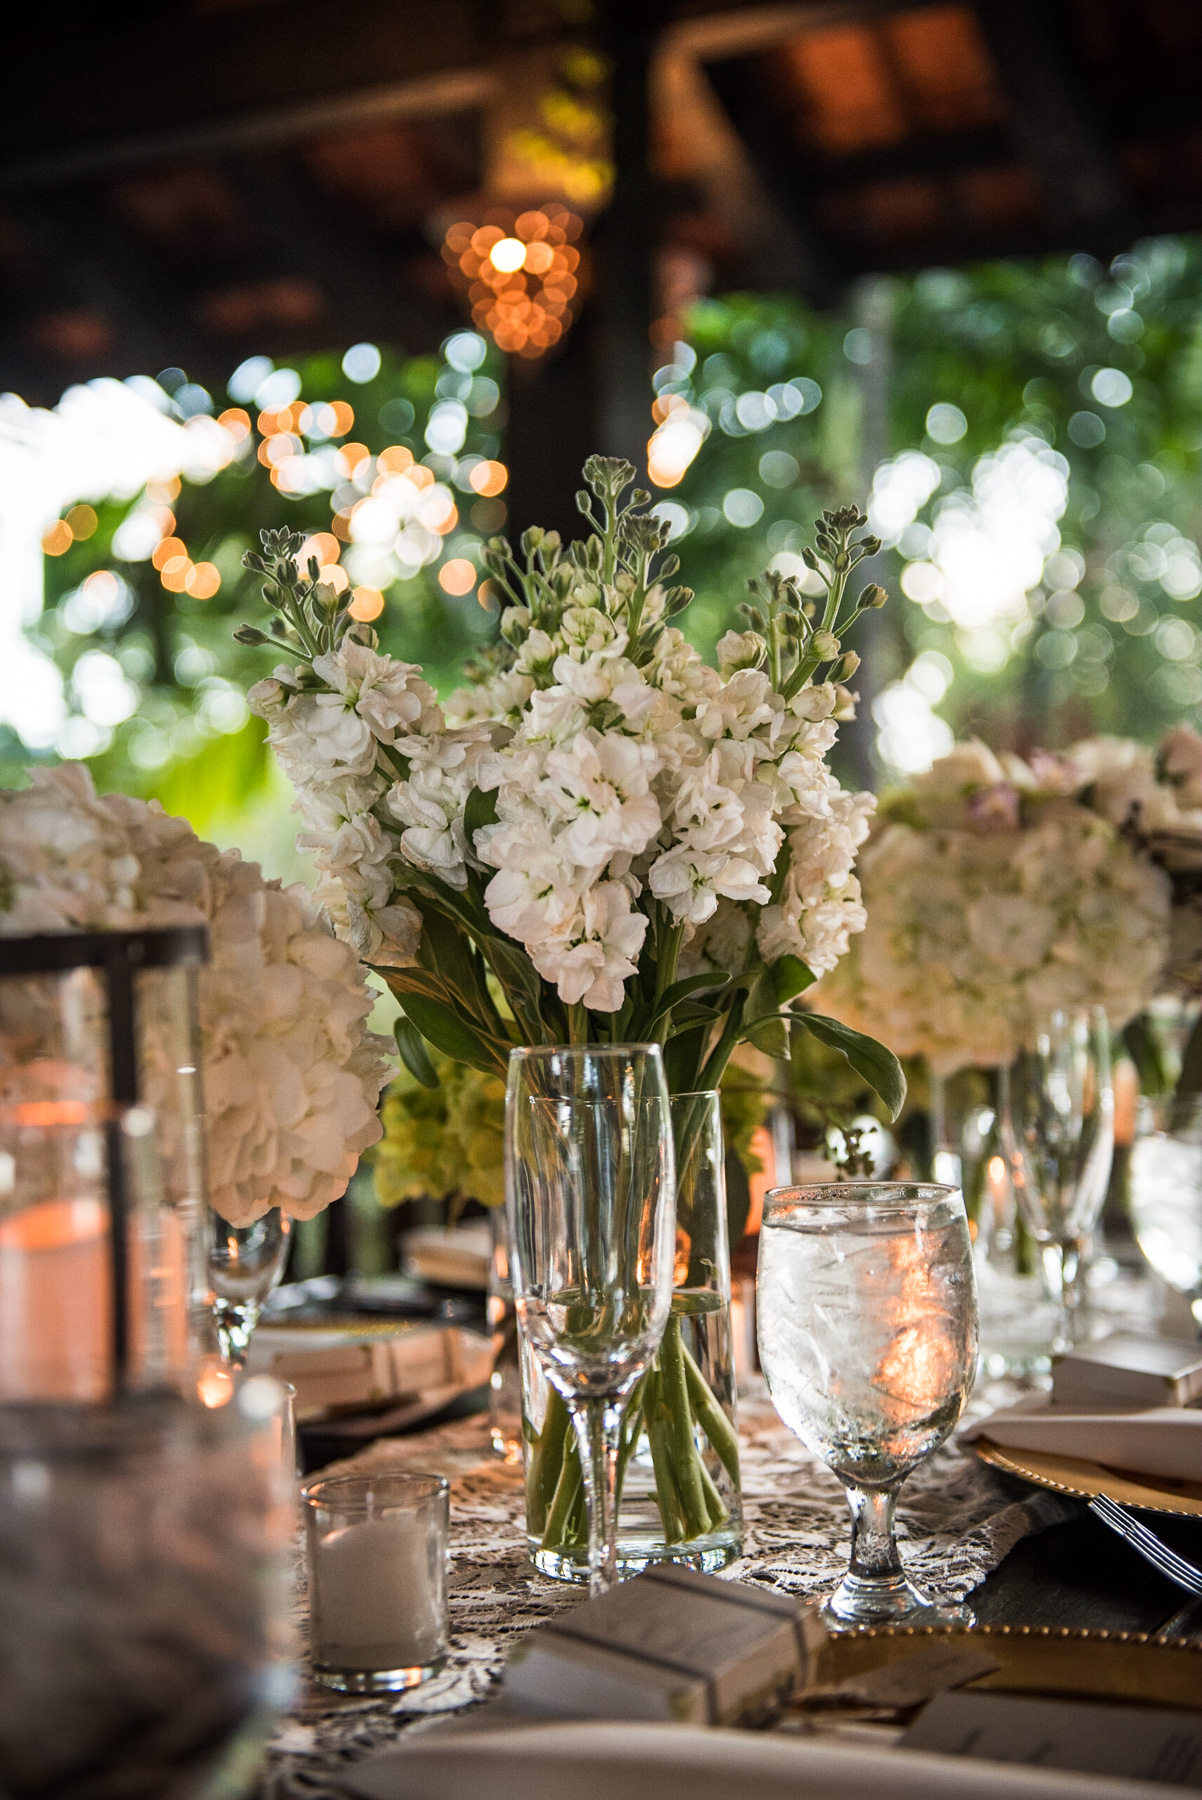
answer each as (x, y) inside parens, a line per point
(679, 1493)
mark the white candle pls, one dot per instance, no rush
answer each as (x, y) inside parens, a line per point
(377, 1597)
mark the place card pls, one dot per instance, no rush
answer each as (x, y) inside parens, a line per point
(1136, 1742)
(672, 1644)
(1131, 1371)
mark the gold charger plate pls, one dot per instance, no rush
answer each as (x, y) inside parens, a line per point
(1074, 1475)
(1113, 1666)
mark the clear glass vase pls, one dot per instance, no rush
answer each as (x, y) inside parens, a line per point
(680, 1498)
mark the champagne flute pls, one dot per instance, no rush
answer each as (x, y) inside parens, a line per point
(245, 1263)
(1058, 1133)
(867, 1314)
(590, 1191)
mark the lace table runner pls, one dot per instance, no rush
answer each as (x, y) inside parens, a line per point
(956, 1523)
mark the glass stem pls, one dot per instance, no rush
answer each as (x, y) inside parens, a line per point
(1069, 1292)
(598, 1424)
(235, 1322)
(874, 1554)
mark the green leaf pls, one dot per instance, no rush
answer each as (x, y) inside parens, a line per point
(410, 1043)
(791, 977)
(446, 951)
(879, 1067)
(481, 810)
(521, 984)
(444, 1028)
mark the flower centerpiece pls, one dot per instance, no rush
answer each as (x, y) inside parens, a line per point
(291, 1073)
(601, 838)
(996, 894)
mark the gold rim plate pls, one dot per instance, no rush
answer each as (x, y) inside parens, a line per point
(1085, 1480)
(1111, 1666)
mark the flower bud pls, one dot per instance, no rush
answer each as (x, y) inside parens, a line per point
(824, 645)
(250, 634)
(846, 668)
(873, 596)
(515, 623)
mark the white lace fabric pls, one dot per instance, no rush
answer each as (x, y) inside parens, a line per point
(956, 1522)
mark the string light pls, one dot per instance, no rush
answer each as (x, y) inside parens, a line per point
(202, 580)
(488, 478)
(521, 281)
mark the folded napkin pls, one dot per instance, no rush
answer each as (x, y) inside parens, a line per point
(1164, 1440)
(681, 1762)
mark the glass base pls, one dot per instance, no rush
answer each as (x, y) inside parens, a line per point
(708, 1554)
(377, 1681)
(890, 1601)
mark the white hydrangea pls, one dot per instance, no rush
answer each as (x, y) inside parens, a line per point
(291, 1073)
(994, 896)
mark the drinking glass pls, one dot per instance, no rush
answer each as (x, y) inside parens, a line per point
(590, 1193)
(1166, 1191)
(245, 1264)
(867, 1315)
(1058, 1133)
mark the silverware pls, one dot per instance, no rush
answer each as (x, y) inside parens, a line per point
(1150, 1547)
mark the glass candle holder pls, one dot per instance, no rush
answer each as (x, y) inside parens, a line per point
(377, 1557)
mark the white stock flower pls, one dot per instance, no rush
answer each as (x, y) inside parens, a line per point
(390, 697)
(593, 954)
(601, 789)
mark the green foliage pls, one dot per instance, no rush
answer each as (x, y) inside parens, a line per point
(1013, 346)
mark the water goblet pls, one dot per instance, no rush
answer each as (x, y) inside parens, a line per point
(590, 1193)
(1166, 1191)
(1058, 1135)
(245, 1263)
(867, 1316)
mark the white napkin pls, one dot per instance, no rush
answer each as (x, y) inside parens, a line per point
(680, 1762)
(1164, 1440)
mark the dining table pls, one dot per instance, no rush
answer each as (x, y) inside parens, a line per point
(1022, 1556)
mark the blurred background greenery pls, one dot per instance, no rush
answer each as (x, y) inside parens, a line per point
(1029, 434)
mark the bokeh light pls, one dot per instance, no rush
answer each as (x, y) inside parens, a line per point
(367, 604)
(520, 276)
(458, 576)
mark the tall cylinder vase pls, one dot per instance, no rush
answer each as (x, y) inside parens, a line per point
(680, 1496)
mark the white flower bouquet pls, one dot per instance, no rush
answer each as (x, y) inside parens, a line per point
(291, 1073)
(999, 890)
(537, 861)
(1155, 798)
(601, 838)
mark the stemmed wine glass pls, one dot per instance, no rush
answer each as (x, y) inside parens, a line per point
(245, 1263)
(590, 1192)
(867, 1313)
(1166, 1191)
(1058, 1133)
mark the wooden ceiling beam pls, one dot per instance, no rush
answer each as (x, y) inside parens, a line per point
(1052, 118)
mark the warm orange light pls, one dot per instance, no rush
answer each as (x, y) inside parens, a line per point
(215, 1383)
(508, 255)
(337, 418)
(367, 604)
(457, 576)
(437, 512)
(163, 552)
(331, 575)
(58, 538)
(323, 545)
(162, 493)
(395, 460)
(275, 450)
(340, 524)
(54, 1225)
(350, 456)
(50, 1112)
(236, 421)
(487, 596)
(174, 574)
(83, 522)
(202, 581)
(489, 478)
